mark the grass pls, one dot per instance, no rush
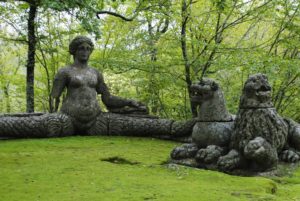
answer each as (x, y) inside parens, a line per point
(121, 168)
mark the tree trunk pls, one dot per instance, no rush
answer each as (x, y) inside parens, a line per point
(187, 66)
(31, 58)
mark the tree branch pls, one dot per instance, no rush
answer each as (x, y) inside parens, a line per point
(20, 40)
(115, 15)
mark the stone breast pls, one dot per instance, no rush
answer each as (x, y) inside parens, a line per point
(81, 78)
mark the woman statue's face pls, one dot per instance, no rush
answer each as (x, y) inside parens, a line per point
(83, 52)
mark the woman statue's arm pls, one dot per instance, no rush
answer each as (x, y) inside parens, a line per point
(112, 101)
(59, 84)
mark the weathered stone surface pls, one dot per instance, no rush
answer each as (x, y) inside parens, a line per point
(256, 92)
(210, 154)
(294, 134)
(83, 84)
(184, 151)
(260, 133)
(58, 124)
(210, 99)
(212, 133)
(31, 125)
(259, 122)
(214, 122)
(259, 136)
(213, 128)
(124, 125)
(80, 113)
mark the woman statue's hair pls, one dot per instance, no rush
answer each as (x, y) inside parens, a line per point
(78, 40)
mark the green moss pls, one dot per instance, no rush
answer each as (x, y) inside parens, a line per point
(121, 168)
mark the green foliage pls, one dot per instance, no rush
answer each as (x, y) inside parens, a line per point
(142, 59)
(71, 4)
(77, 168)
(12, 90)
(83, 10)
(220, 4)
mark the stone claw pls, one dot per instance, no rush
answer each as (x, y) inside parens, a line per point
(255, 148)
(229, 161)
(184, 151)
(289, 156)
(209, 154)
(261, 154)
(201, 154)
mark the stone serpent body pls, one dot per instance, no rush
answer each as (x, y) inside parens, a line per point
(60, 125)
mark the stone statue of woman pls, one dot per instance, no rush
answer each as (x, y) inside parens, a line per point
(83, 84)
(80, 113)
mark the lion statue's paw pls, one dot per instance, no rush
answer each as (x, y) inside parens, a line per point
(184, 151)
(210, 154)
(289, 156)
(255, 148)
(230, 161)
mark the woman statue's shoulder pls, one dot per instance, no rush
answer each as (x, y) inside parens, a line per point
(64, 71)
(96, 70)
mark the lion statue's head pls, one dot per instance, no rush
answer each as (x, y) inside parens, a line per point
(203, 90)
(208, 97)
(256, 92)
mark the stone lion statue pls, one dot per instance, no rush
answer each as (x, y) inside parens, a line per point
(213, 126)
(261, 137)
(214, 123)
(255, 140)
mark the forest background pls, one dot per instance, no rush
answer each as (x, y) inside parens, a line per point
(152, 50)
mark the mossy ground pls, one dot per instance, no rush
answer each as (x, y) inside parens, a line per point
(121, 168)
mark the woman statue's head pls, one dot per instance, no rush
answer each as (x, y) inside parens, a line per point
(77, 41)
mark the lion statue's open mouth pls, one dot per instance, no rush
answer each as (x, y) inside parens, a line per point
(203, 90)
(256, 92)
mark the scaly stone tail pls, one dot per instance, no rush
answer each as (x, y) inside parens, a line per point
(58, 125)
(124, 125)
(36, 125)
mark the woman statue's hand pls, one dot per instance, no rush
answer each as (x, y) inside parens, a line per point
(138, 105)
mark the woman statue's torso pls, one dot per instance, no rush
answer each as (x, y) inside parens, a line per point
(81, 99)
